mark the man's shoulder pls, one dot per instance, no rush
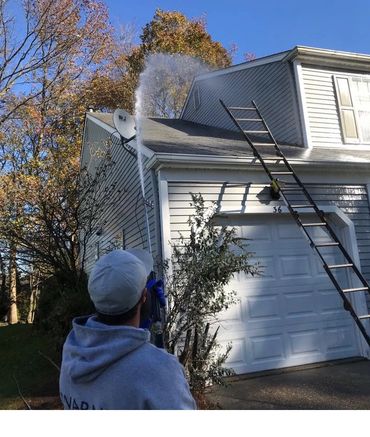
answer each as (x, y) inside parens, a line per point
(159, 358)
(160, 354)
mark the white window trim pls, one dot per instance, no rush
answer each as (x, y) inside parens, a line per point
(302, 104)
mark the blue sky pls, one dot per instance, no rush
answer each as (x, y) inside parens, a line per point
(265, 27)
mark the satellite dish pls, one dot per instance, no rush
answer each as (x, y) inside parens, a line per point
(124, 123)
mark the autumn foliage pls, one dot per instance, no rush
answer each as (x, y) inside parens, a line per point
(66, 58)
(167, 32)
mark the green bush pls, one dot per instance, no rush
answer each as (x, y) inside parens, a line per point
(59, 303)
(204, 261)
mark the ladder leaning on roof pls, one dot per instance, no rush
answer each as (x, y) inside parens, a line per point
(281, 188)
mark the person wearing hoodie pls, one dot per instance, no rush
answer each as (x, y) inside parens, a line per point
(108, 362)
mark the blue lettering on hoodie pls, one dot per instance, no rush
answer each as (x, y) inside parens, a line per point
(74, 404)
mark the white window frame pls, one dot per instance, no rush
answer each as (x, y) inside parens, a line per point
(355, 106)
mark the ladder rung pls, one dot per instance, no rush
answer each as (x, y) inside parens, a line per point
(302, 206)
(249, 119)
(307, 225)
(256, 131)
(281, 172)
(340, 266)
(239, 108)
(327, 244)
(352, 290)
(264, 144)
(365, 317)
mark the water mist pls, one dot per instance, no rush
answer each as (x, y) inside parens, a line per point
(163, 86)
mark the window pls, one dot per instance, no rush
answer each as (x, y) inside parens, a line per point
(361, 87)
(353, 97)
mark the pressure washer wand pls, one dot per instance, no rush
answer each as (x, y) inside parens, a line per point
(155, 320)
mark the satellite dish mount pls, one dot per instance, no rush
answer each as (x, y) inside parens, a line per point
(125, 126)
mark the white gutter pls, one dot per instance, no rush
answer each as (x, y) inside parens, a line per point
(330, 58)
(161, 160)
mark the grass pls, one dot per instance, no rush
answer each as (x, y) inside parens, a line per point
(21, 362)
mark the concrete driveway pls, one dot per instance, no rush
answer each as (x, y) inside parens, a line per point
(336, 385)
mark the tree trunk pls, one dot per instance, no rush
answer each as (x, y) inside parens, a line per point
(13, 310)
(35, 291)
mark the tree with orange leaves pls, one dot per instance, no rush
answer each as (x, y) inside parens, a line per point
(169, 32)
(62, 44)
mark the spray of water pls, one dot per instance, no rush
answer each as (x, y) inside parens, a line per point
(163, 86)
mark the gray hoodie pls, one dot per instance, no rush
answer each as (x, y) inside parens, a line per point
(117, 368)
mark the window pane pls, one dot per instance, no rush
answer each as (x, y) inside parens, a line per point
(365, 125)
(344, 93)
(349, 123)
(361, 90)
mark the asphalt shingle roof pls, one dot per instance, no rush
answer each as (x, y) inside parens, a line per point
(176, 136)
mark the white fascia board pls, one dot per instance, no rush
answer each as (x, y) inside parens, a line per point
(161, 160)
(244, 66)
(302, 104)
(111, 130)
(317, 56)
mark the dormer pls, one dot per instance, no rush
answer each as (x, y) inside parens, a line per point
(334, 97)
(309, 97)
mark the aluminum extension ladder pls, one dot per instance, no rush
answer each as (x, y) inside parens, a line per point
(280, 188)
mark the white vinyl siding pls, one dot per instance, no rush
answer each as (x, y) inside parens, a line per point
(329, 108)
(271, 86)
(123, 217)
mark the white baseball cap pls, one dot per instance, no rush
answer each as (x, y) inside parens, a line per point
(118, 279)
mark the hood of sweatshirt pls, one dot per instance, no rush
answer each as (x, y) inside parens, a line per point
(92, 346)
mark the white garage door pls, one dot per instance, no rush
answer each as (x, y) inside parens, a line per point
(291, 315)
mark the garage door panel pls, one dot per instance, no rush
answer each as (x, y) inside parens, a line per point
(287, 231)
(238, 357)
(256, 232)
(263, 308)
(235, 313)
(267, 348)
(305, 342)
(340, 339)
(268, 268)
(300, 304)
(298, 266)
(330, 303)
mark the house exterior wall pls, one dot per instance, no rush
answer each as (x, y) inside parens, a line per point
(352, 199)
(323, 122)
(270, 85)
(124, 212)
